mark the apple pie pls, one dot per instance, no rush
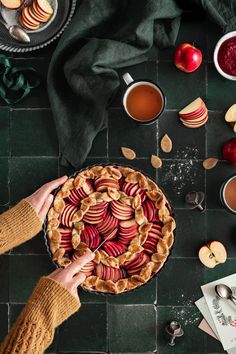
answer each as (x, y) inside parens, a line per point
(121, 205)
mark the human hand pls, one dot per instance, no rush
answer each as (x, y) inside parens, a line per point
(71, 277)
(42, 198)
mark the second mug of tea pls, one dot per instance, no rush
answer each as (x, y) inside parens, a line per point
(144, 101)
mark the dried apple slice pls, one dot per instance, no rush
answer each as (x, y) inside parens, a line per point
(166, 144)
(156, 161)
(128, 153)
(210, 163)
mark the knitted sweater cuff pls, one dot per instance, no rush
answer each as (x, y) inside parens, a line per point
(53, 302)
(18, 225)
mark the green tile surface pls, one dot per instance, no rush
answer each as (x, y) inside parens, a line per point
(29, 156)
(132, 322)
(85, 330)
(5, 132)
(33, 133)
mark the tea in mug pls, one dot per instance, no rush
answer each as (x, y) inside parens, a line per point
(144, 102)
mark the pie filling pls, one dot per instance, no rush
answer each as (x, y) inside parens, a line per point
(124, 207)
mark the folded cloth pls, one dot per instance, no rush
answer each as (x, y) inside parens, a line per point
(103, 36)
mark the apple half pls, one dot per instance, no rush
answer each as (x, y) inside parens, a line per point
(212, 254)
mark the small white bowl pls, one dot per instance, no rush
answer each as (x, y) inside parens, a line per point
(217, 47)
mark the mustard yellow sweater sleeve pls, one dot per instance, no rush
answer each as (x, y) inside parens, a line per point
(18, 225)
(49, 305)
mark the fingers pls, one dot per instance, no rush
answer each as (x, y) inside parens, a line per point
(78, 279)
(50, 186)
(43, 212)
(77, 265)
(40, 196)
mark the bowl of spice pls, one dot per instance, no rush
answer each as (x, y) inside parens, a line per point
(225, 56)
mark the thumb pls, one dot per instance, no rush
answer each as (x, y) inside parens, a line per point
(43, 212)
(78, 279)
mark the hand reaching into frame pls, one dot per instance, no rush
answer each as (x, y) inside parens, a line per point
(71, 277)
(42, 198)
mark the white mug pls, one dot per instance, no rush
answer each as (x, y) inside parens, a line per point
(131, 83)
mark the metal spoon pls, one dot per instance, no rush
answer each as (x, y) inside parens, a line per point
(225, 292)
(15, 31)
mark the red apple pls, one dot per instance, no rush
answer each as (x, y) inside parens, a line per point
(187, 57)
(229, 151)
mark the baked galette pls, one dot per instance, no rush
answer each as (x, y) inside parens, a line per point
(125, 207)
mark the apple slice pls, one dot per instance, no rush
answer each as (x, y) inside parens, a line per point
(134, 266)
(194, 115)
(192, 107)
(45, 6)
(230, 115)
(200, 111)
(67, 215)
(212, 254)
(11, 4)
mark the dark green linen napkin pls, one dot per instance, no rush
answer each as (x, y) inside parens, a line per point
(104, 35)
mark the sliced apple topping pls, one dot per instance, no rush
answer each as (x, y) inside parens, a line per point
(212, 254)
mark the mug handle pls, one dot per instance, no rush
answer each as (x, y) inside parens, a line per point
(127, 78)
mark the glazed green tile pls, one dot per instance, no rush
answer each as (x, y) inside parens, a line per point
(221, 227)
(25, 272)
(187, 143)
(35, 246)
(178, 177)
(4, 321)
(132, 328)
(220, 92)
(181, 88)
(123, 131)
(90, 161)
(28, 174)
(146, 294)
(143, 71)
(190, 232)
(85, 331)
(181, 277)
(214, 179)
(4, 132)
(214, 32)
(221, 271)
(189, 318)
(213, 346)
(4, 278)
(4, 183)
(38, 97)
(143, 165)
(217, 132)
(15, 310)
(193, 31)
(99, 147)
(33, 133)
(91, 297)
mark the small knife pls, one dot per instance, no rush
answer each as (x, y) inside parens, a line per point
(101, 244)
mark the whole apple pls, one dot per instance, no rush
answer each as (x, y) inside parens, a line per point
(229, 151)
(187, 57)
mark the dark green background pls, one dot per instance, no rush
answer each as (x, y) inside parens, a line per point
(131, 323)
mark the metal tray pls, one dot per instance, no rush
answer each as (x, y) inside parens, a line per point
(50, 253)
(64, 10)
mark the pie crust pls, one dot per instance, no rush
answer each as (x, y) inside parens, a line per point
(126, 205)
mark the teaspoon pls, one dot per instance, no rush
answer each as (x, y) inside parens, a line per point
(225, 292)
